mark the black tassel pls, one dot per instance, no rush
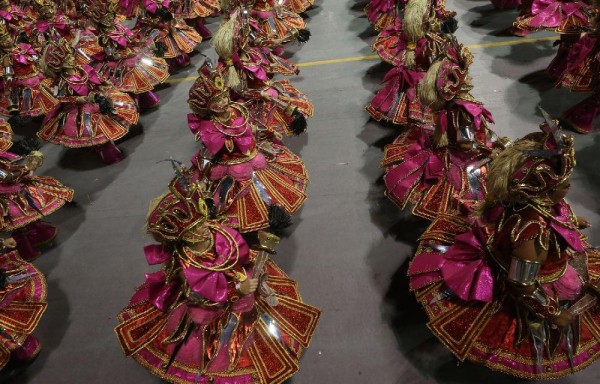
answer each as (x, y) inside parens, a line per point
(18, 121)
(23, 38)
(3, 279)
(164, 14)
(450, 25)
(104, 103)
(31, 203)
(298, 126)
(278, 218)
(178, 347)
(25, 146)
(161, 48)
(303, 35)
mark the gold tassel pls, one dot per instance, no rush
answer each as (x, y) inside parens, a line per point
(223, 44)
(414, 28)
(414, 19)
(440, 138)
(409, 58)
(504, 166)
(427, 88)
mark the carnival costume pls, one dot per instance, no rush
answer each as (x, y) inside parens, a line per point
(581, 73)
(23, 297)
(89, 113)
(436, 167)
(49, 25)
(20, 79)
(560, 16)
(25, 199)
(515, 290)
(129, 64)
(194, 12)
(196, 320)
(271, 21)
(156, 22)
(410, 45)
(13, 17)
(269, 179)
(275, 104)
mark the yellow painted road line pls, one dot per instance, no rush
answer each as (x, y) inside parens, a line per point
(376, 57)
(335, 61)
(512, 42)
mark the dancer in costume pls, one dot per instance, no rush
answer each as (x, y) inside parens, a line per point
(156, 22)
(25, 199)
(49, 25)
(517, 290)
(217, 312)
(13, 17)
(194, 12)
(118, 57)
(90, 114)
(276, 104)
(23, 298)
(270, 181)
(581, 73)
(20, 79)
(437, 167)
(560, 16)
(270, 21)
(410, 45)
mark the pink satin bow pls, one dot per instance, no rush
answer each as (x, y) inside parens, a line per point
(213, 136)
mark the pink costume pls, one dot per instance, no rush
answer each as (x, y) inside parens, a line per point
(472, 283)
(156, 23)
(121, 59)
(559, 16)
(22, 304)
(20, 80)
(26, 199)
(90, 113)
(438, 167)
(411, 54)
(190, 322)
(581, 73)
(266, 175)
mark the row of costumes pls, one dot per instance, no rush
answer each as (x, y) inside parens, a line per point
(80, 76)
(503, 272)
(220, 310)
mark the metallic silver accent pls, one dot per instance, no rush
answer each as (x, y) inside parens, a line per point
(440, 248)
(262, 190)
(87, 123)
(27, 103)
(465, 133)
(473, 174)
(3, 174)
(272, 24)
(15, 278)
(568, 333)
(523, 272)
(539, 296)
(9, 71)
(228, 330)
(538, 335)
(272, 327)
(83, 54)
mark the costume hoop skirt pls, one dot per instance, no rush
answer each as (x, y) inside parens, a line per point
(84, 125)
(22, 304)
(30, 198)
